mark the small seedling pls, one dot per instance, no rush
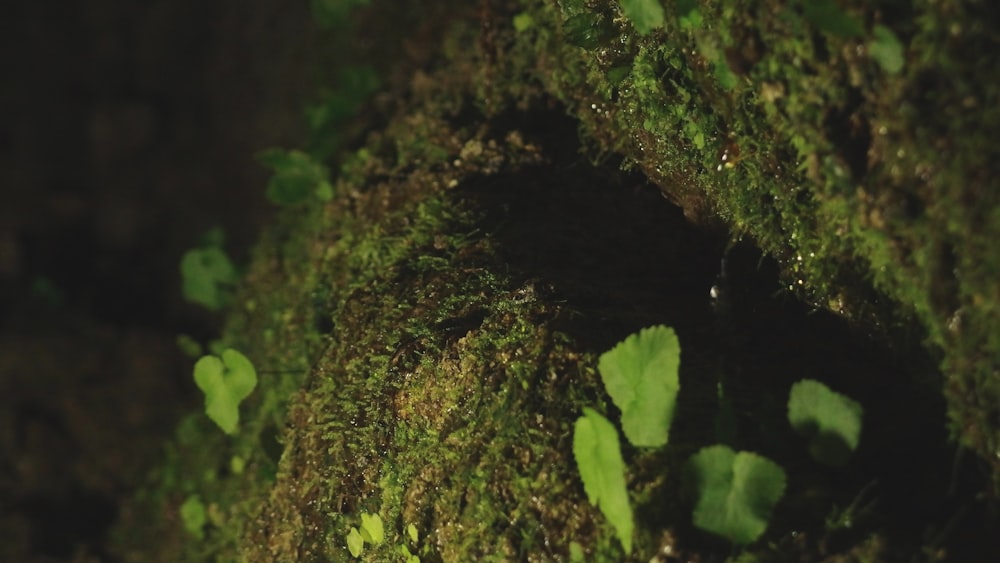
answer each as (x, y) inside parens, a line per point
(830, 421)
(193, 516)
(735, 491)
(208, 276)
(371, 528)
(296, 177)
(641, 376)
(225, 381)
(599, 459)
(371, 532)
(355, 543)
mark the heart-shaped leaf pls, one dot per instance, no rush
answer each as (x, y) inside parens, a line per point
(225, 383)
(640, 374)
(830, 421)
(736, 492)
(599, 458)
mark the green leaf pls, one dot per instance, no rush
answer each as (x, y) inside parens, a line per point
(735, 492)
(645, 15)
(355, 543)
(598, 456)
(411, 531)
(640, 374)
(193, 516)
(886, 49)
(207, 275)
(225, 383)
(830, 421)
(828, 17)
(296, 176)
(371, 528)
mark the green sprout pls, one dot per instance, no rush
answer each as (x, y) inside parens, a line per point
(296, 177)
(225, 381)
(372, 531)
(736, 492)
(193, 516)
(641, 375)
(207, 274)
(599, 459)
(355, 543)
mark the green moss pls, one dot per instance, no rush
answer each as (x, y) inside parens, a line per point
(868, 186)
(413, 368)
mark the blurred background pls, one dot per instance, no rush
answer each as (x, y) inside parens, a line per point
(127, 130)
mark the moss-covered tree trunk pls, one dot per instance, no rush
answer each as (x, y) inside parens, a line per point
(427, 338)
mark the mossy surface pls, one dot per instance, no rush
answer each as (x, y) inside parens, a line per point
(426, 339)
(869, 186)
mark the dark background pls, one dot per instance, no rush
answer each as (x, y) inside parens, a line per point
(127, 130)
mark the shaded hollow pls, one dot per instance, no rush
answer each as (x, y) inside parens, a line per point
(617, 257)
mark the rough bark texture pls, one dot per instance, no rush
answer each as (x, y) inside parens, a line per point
(428, 337)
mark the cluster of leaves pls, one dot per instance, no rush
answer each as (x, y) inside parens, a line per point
(372, 532)
(735, 491)
(301, 174)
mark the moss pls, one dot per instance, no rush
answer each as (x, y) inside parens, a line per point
(427, 338)
(869, 187)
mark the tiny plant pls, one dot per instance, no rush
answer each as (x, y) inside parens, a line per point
(598, 456)
(207, 274)
(641, 376)
(193, 516)
(371, 528)
(225, 381)
(297, 176)
(830, 421)
(355, 543)
(371, 532)
(736, 492)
